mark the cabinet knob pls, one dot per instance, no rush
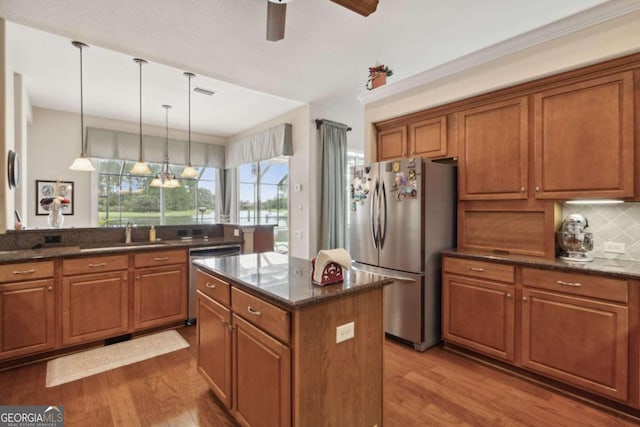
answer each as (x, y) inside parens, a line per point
(31, 271)
(210, 285)
(537, 189)
(522, 189)
(476, 269)
(49, 288)
(225, 323)
(137, 277)
(161, 258)
(509, 296)
(525, 299)
(124, 278)
(101, 264)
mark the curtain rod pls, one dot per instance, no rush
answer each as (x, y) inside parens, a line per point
(321, 121)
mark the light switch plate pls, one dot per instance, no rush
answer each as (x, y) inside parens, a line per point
(614, 247)
(345, 332)
(236, 232)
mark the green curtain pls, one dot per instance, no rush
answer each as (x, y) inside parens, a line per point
(333, 221)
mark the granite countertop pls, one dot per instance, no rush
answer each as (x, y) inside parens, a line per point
(103, 248)
(599, 266)
(285, 280)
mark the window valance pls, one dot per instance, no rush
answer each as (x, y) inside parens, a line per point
(272, 143)
(113, 144)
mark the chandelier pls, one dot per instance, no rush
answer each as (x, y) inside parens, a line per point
(165, 178)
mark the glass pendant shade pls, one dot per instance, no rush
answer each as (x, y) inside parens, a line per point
(81, 163)
(189, 172)
(140, 167)
(156, 182)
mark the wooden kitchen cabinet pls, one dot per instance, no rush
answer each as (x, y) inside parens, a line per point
(478, 306)
(262, 377)
(393, 143)
(574, 338)
(95, 298)
(493, 158)
(26, 314)
(584, 139)
(428, 138)
(214, 346)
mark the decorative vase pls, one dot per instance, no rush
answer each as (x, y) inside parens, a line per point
(379, 79)
(55, 218)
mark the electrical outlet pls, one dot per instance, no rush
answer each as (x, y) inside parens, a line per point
(615, 247)
(345, 332)
(236, 232)
(297, 234)
(297, 187)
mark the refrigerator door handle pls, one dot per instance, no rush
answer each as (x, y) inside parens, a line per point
(383, 223)
(374, 225)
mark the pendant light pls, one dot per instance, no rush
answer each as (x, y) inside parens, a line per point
(189, 171)
(82, 163)
(166, 178)
(140, 168)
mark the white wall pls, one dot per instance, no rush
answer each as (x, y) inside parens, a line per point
(607, 40)
(53, 144)
(7, 197)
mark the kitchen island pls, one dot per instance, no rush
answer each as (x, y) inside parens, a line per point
(278, 350)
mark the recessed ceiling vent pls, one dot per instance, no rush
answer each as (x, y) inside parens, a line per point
(204, 91)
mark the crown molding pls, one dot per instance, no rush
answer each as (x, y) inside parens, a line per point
(571, 24)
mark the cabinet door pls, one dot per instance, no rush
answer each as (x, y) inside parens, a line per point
(94, 306)
(576, 340)
(493, 151)
(584, 139)
(428, 138)
(26, 317)
(214, 347)
(392, 143)
(478, 315)
(160, 296)
(262, 378)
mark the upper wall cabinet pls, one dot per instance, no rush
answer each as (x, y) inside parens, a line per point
(584, 139)
(392, 143)
(425, 138)
(428, 138)
(493, 158)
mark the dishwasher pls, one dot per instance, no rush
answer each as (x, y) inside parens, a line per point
(199, 253)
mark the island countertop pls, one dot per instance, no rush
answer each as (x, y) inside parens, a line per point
(286, 280)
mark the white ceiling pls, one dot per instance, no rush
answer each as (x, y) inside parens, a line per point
(324, 57)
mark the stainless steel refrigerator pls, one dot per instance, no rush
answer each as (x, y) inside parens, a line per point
(402, 214)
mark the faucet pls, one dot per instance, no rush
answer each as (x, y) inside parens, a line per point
(127, 232)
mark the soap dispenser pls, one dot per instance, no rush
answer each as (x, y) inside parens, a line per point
(152, 234)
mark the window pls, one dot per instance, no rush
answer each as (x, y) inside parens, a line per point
(124, 197)
(264, 197)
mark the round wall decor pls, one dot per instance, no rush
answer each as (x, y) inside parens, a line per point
(13, 169)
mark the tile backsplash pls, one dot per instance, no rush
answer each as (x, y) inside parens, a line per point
(611, 223)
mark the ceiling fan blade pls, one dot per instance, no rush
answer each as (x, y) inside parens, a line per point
(276, 14)
(363, 7)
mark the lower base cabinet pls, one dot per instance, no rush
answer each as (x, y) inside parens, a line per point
(26, 317)
(576, 340)
(160, 296)
(574, 328)
(94, 306)
(262, 373)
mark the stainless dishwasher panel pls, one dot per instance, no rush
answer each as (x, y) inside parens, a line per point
(199, 253)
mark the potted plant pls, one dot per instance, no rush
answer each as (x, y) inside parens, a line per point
(378, 76)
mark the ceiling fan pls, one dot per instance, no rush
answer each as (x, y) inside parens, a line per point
(277, 11)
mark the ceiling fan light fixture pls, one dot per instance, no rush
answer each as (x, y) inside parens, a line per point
(140, 167)
(82, 163)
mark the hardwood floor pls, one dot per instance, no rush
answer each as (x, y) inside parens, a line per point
(435, 388)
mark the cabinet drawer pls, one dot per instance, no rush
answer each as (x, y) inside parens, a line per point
(268, 317)
(150, 259)
(577, 284)
(94, 264)
(25, 271)
(480, 269)
(215, 288)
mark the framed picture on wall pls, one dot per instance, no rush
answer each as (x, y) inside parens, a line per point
(59, 192)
